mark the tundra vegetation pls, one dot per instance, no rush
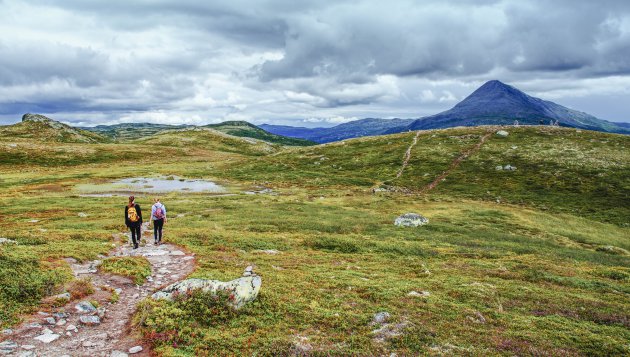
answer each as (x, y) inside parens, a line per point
(532, 261)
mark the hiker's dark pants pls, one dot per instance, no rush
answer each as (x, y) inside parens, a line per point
(135, 235)
(157, 229)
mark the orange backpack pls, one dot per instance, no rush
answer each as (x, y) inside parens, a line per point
(132, 214)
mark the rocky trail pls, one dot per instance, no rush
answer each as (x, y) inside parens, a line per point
(81, 329)
(465, 154)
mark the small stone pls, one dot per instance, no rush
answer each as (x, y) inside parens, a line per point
(135, 296)
(248, 271)
(118, 291)
(90, 320)
(7, 241)
(34, 325)
(61, 322)
(509, 167)
(499, 168)
(62, 296)
(118, 354)
(28, 347)
(411, 220)
(135, 349)
(50, 320)
(502, 133)
(381, 317)
(41, 313)
(423, 294)
(47, 330)
(47, 337)
(60, 315)
(82, 214)
(85, 307)
(72, 328)
(7, 331)
(177, 253)
(7, 346)
(101, 312)
(27, 354)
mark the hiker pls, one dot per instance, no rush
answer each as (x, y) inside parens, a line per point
(133, 220)
(158, 216)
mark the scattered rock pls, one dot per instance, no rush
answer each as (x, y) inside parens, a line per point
(85, 307)
(381, 317)
(50, 320)
(499, 168)
(387, 331)
(27, 354)
(611, 249)
(28, 347)
(411, 220)
(72, 328)
(135, 349)
(34, 325)
(61, 322)
(7, 346)
(118, 354)
(90, 320)
(82, 214)
(47, 337)
(62, 296)
(60, 315)
(422, 294)
(249, 271)
(478, 318)
(509, 168)
(267, 251)
(177, 253)
(7, 331)
(7, 241)
(502, 133)
(241, 290)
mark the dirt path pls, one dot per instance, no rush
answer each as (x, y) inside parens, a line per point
(169, 264)
(408, 154)
(471, 150)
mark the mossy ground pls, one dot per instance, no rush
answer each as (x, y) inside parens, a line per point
(531, 263)
(135, 268)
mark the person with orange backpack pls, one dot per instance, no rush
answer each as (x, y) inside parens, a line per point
(133, 220)
(158, 216)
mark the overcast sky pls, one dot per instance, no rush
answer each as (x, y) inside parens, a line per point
(307, 63)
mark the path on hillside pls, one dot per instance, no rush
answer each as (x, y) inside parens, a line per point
(455, 164)
(169, 264)
(408, 154)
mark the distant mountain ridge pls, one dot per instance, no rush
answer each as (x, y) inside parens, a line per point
(131, 131)
(494, 103)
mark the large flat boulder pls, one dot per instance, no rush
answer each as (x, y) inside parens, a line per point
(241, 291)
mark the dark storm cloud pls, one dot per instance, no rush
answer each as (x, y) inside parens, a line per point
(275, 59)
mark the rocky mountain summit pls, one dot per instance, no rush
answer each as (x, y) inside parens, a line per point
(48, 130)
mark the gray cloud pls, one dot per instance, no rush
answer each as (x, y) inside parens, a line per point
(303, 62)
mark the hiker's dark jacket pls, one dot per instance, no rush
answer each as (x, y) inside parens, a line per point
(129, 223)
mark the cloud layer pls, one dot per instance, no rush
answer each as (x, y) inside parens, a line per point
(304, 63)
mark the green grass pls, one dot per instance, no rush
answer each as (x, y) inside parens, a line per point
(537, 264)
(135, 268)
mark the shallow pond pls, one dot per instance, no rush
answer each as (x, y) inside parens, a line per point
(153, 185)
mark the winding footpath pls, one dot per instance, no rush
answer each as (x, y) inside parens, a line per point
(408, 155)
(66, 331)
(455, 164)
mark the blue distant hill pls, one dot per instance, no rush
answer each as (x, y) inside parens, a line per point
(494, 103)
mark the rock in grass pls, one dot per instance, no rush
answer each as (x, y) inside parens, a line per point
(611, 249)
(381, 317)
(7, 241)
(241, 291)
(502, 133)
(62, 296)
(411, 220)
(85, 307)
(422, 294)
(135, 349)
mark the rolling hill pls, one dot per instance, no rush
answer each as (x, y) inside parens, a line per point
(131, 131)
(35, 126)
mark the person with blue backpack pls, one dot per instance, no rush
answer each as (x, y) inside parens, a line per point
(158, 216)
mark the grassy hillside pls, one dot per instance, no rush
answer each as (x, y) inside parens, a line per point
(132, 131)
(527, 262)
(49, 131)
(245, 129)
